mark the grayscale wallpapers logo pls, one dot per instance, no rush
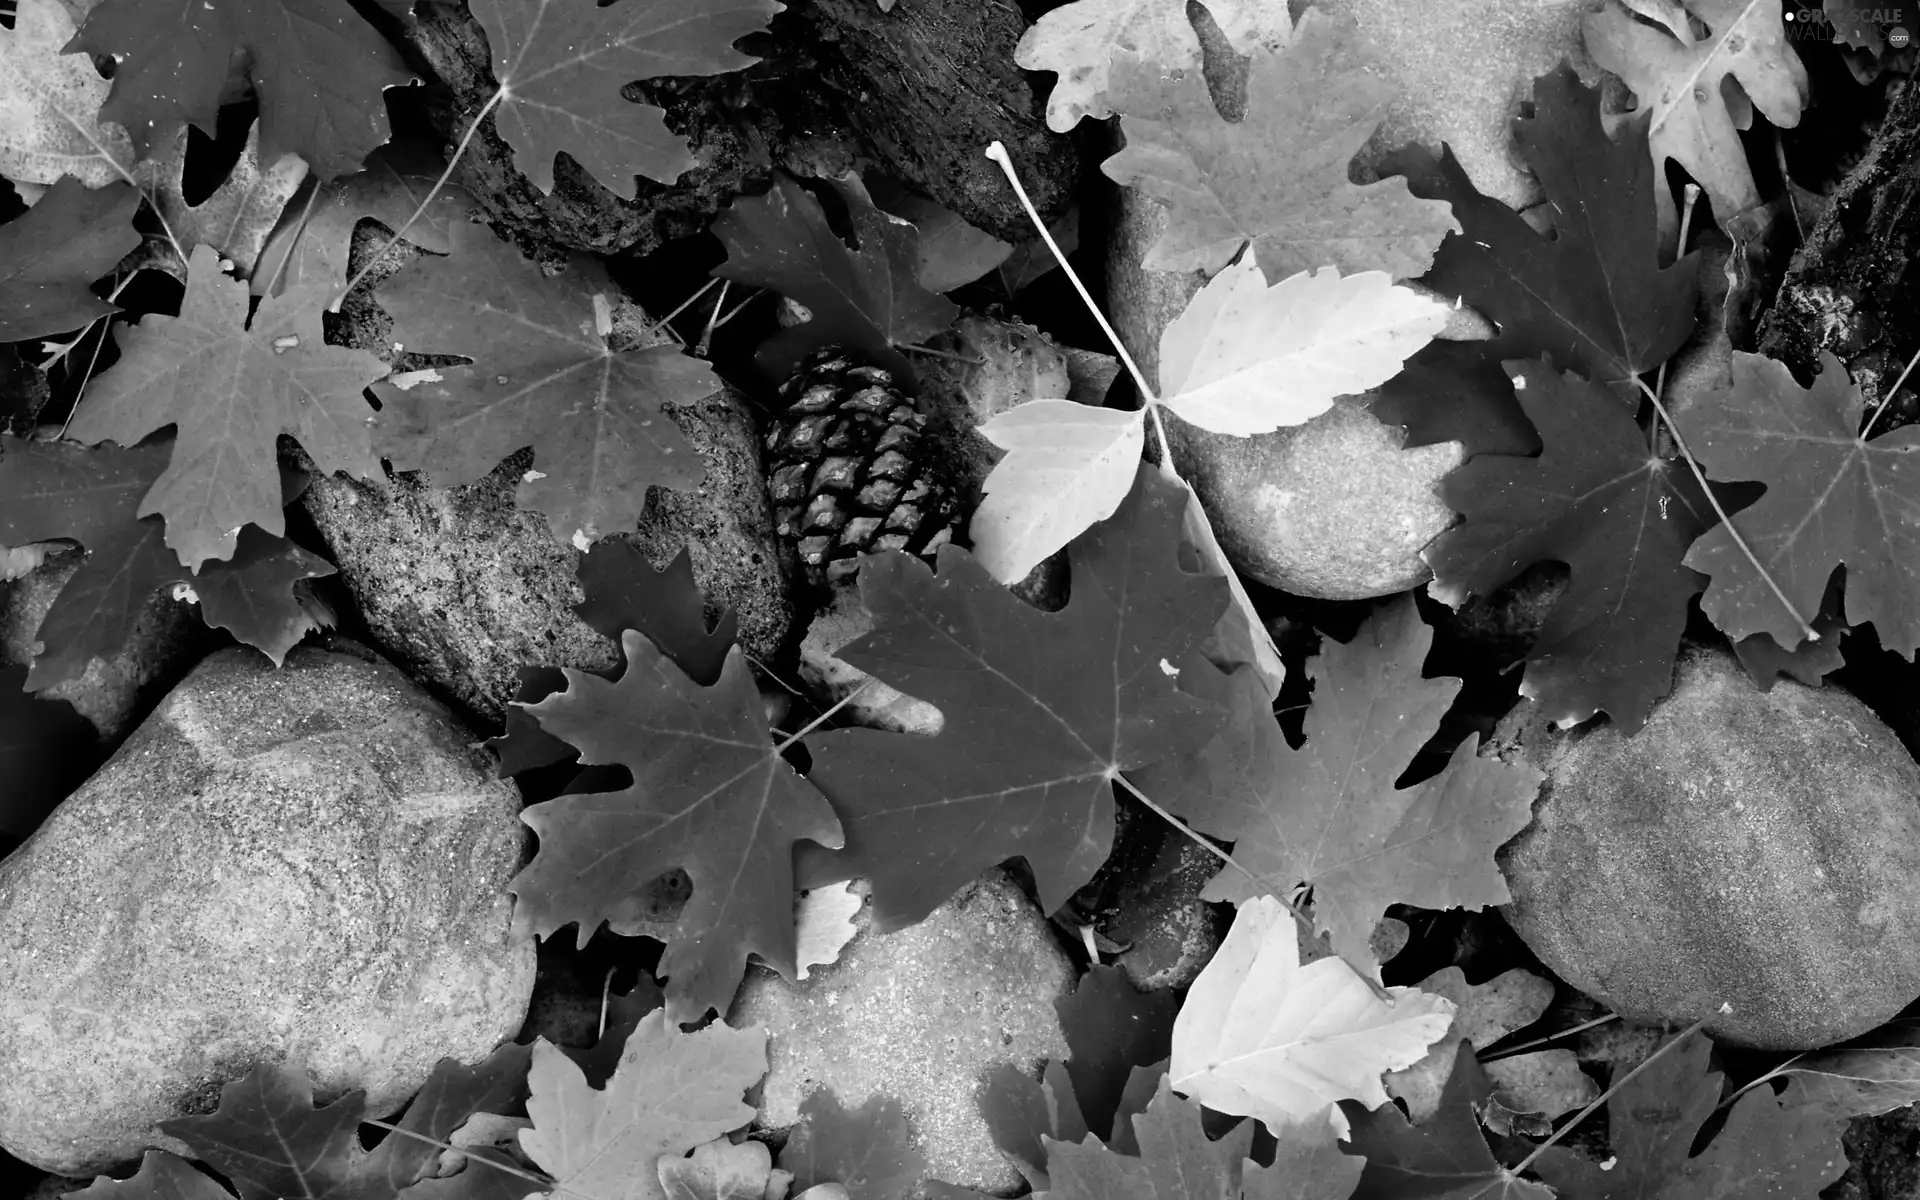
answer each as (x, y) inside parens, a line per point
(1849, 25)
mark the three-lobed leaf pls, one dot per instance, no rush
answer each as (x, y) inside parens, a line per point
(1068, 466)
(1262, 1036)
(231, 387)
(1833, 498)
(1278, 176)
(543, 376)
(561, 65)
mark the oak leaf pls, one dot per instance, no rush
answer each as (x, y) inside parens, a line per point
(162, 1176)
(1833, 497)
(231, 387)
(543, 376)
(1278, 176)
(1262, 1036)
(1041, 711)
(1679, 79)
(1080, 41)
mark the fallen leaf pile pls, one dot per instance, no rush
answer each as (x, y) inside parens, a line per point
(1158, 676)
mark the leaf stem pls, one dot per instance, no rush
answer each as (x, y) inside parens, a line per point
(1523, 1047)
(94, 361)
(998, 153)
(1660, 380)
(466, 140)
(820, 720)
(1886, 397)
(1807, 632)
(1607, 1095)
(540, 1181)
(299, 230)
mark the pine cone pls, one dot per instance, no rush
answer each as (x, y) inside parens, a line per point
(852, 469)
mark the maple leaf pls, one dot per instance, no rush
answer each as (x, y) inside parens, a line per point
(622, 591)
(1456, 392)
(162, 1176)
(543, 376)
(51, 253)
(1593, 295)
(318, 70)
(230, 388)
(1444, 1158)
(1111, 1028)
(46, 750)
(868, 298)
(561, 65)
(236, 218)
(870, 1151)
(50, 105)
(1278, 176)
(1876, 1073)
(1041, 711)
(1262, 1036)
(1832, 497)
(710, 795)
(1679, 78)
(1328, 814)
(1485, 1013)
(1620, 517)
(452, 1093)
(1079, 41)
(1765, 1148)
(60, 490)
(268, 1135)
(671, 1092)
(311, 244)
(1022, 1112)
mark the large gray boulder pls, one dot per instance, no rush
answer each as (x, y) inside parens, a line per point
(303, 865)
(1755, 849)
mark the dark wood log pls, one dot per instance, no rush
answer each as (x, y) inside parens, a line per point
(1852, 289)
(917, 93)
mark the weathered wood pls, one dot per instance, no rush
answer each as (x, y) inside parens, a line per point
(917, 92)
(1850, 289)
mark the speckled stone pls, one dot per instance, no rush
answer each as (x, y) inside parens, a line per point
(1464, 68)
(1170, 933)
(305, 865)
(1758, 849)
(462, 589)
(166, 640)
(921, 1015)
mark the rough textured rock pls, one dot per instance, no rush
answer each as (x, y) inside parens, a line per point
(1333, 509)
(462, 589)
(113, 691)
(920, 1015)
(1761, 849)
(306, 865)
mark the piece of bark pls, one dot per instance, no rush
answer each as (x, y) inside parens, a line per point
(1849, 289)
(918, 93)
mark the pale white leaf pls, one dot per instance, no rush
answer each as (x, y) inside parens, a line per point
(1067, 467)
(1246, 358)
(824, 924)
(50, 105)
(1079, 41)
(1262, 1036)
